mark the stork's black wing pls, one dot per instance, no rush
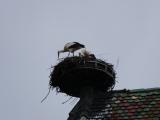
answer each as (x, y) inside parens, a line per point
(76, 45)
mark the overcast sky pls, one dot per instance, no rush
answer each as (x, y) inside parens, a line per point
(31, 32)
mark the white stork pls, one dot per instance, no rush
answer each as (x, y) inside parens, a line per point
(71, 47)
(86, 54)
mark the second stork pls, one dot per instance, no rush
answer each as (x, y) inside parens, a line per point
(71, 47)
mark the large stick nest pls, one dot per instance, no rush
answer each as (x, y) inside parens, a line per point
(73, 73)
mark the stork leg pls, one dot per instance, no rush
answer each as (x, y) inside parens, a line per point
(68, 54)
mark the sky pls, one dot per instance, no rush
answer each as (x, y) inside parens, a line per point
(32, 31)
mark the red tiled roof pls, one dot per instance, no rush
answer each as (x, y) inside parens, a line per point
(141, 104)
(130, 105)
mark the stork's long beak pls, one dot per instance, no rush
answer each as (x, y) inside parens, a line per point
(58, 54)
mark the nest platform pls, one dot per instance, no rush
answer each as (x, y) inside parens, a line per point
(73, 73)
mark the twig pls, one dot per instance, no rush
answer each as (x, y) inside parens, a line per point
(73, 101)
(67, 100)
(46, 95)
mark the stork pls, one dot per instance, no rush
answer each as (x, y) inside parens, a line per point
(71, 47)
(86, 54)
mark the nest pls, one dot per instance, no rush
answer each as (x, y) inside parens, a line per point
(73, 73)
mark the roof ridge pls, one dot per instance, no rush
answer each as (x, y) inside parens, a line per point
(137, 90)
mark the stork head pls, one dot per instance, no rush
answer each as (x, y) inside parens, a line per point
(60, 51)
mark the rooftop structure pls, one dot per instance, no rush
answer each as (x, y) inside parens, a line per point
(140, 104)
(80, 76)
(92, 80)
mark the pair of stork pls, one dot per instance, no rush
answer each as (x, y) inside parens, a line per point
(71, 47)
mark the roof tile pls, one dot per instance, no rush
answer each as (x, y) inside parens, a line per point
(142, 104)
(135, 104)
